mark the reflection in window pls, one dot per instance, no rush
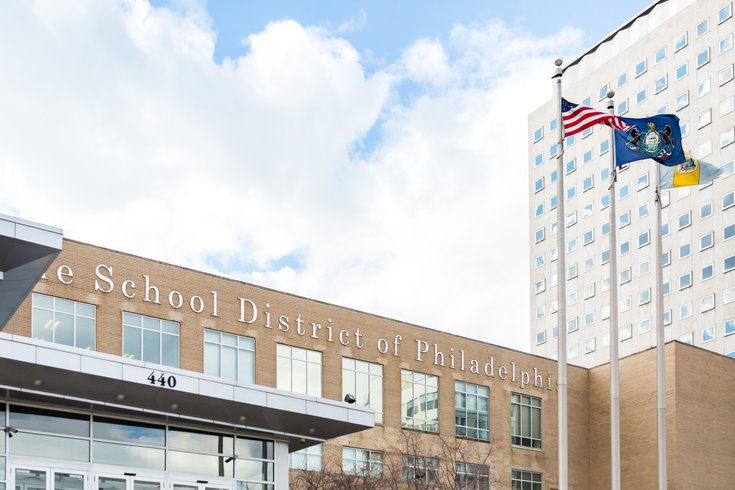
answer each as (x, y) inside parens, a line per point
(362, 462)
(229, 356)
(40, 420)
(299, 370)
(474, 476)
(192, 440)
(43, 446)
(63, 321)
(128, 431)
(126, 455)
(417, 468)
(525, 480)
(150, 339)
(201, 464)
(419, 401)
(309, 459)
(364, 380)
(471, 406)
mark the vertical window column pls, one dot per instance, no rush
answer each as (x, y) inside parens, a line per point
(471, 407)
(151, 339)
(229, 356)
(419, 401)
(63, 321)
(526, 421)
(299, 370)
(364, 381)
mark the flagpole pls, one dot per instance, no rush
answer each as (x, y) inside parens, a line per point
(660, 354)
(561, 291)
(614, 343)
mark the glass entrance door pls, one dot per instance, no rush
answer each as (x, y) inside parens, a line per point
(127, 482)
(200, 485)
(30, 478)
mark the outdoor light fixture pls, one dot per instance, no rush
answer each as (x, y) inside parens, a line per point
(350, 398)
(10, 431)
(231, 458)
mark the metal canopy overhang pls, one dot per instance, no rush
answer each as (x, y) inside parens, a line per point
(26, 251)
(33, 369)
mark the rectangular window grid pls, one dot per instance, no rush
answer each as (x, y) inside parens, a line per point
(419, 401)
(471, 410)
(63, 321)
(526, 421)
(229, 356)
(364, 381)
(151, 339)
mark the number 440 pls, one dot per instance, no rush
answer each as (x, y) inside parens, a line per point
(162, 379)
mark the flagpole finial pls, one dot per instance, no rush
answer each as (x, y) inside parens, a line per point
(558, 61)
(610, 94)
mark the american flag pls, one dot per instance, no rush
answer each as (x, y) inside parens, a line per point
(577, 118)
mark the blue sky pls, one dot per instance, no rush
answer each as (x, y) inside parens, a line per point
(371, 155)
(385, 27)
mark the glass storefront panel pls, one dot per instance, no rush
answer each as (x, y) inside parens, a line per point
(2, 467)
(68, 481)
(146, 485)
(202, 464)
(30, 479)
(135, 456)
(241, 485)
(2, 424)
(199, 441)
(253, 448)
(37, 419)
(185, 487)
(254, 470)
(85, 333)
(106, 483)
(130, 432)
(41, 446)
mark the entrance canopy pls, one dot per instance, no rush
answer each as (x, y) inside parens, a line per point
(33, 369)
(26, 251)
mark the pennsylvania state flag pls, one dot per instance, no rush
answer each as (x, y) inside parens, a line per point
(657, 137)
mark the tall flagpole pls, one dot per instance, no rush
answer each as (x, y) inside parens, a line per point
(614, 344)
(561, 290)
(660, 357)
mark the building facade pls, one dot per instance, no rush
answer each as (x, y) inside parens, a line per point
(127, 373)
(674, 57)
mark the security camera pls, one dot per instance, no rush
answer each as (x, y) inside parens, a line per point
(350, 398)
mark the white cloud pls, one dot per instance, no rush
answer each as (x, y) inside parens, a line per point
(118, 126)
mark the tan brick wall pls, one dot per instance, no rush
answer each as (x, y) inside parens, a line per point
(700, 385)
(700, 394)
(704, 454)
(83, 259)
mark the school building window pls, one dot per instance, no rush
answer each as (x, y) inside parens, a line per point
(362, 462)
(229, 356)
(364, 381)
(419, 401)
(151, 339)
(526, 421)
(471, 409)
(63, 321)
(472, 476)
(298, 370)
(425, 470)
(526, 480)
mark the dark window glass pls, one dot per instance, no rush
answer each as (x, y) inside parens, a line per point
(37, 419)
